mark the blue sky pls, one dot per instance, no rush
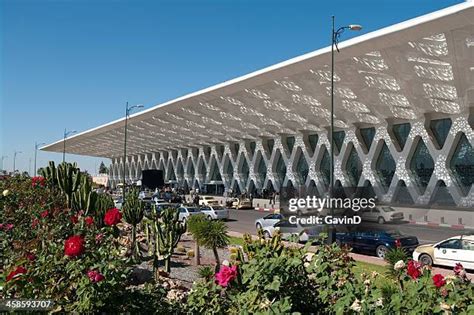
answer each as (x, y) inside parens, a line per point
(75, 63)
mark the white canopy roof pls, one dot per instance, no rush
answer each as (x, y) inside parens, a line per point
(423, 65)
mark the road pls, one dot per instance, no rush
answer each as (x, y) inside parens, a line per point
(243, 221)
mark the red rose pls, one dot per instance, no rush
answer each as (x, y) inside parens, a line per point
(89, 220)
(95, 276)
(438, 280)
(459, 270)
(44, 214)
(414, 269)
(112, 216)
(30, 256)
(18, 271)
(74, 246)
(38, 181)
(74, 219)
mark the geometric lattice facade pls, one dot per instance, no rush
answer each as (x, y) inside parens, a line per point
(177, 163)
(405, 91)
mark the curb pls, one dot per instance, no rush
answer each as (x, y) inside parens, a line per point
(434, 224)
(265, 209)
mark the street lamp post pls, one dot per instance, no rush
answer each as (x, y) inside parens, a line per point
(37, 145)
(3, 158)
(335, 34)
(66, 134)
(14, 160)
(127, 113)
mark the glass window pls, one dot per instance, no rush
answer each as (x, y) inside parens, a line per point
(182, 210)
(218, 208)
(422, 165)
(290, 142)
(281, 168)
(270, 144)
(440, 129)
(451, 244)
(245, 170)
(215, 174)
(354, 167)
(401, 132)
(302, 169)
(339, 139)
(468, 245)
(368, 136)
(313, 142)
(262, 169)
(325, 167)
(462, 164)
(253, 145)
(385, 167)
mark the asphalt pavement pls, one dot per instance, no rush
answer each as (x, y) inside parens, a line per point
(243, 221)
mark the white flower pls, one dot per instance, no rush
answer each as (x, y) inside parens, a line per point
(226, 263)
(367, 282)
(379, 302)
(6, 192)
(356, 306)
(445, 306)
(399, 265)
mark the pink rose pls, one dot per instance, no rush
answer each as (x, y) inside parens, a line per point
(225, 275)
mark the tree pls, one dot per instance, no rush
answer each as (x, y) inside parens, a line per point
(103, 169)
(210, 234)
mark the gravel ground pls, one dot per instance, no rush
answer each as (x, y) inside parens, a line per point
(182, 267)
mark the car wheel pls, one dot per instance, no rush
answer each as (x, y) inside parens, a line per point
(259, 226)
(266, 235)
(381, 220)
(209, 217)
(425, 260)
(381, 251)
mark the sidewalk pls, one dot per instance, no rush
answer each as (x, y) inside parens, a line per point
(372, 259)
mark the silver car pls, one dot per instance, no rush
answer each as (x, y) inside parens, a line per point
(288, 230)
(268, 220)
(381, 215)
(213, 212)
(186, 211)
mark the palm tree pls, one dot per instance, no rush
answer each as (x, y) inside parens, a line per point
(210, 234)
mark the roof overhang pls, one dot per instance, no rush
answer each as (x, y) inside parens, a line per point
(423, 65)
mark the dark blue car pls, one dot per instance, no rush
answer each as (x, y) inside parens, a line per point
(376, 241)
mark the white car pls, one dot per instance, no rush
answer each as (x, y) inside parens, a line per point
(457, 249)
(381, 215)
(207, 201)
(186, 211)
(288, 230)
(213, 212)
(268, 220)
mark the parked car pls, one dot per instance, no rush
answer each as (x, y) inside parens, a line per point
(457, 249)
(185, 211)
(377, 242)
(268, 220)
(215, 212)
(242, 204)
(207, 201)
(381, 215)
(288, 230)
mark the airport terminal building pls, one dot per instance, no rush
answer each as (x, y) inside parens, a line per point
(404, 102)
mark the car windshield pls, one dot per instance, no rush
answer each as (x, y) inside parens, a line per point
(218, 208)
(193, 209)
(387, 209)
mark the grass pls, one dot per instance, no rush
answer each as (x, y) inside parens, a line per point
(236, 241)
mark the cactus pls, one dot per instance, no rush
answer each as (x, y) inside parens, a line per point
(168, 231)
(50, 174)
(69, 179)
(103, 203)
(133, 211)
(84, 198)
